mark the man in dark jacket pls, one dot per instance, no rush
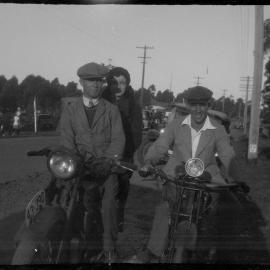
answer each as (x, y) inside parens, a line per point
(92, 126)
(120, 92)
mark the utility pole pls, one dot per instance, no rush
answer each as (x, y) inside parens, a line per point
(110, 63)
(143, 72)
(198, 80)
(171, 87)
(256, 93)
(247, 80)
(35, 113)
(239, 112)
(223, 99)
(171, 83)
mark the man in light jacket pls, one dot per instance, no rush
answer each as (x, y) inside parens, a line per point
(194, 135)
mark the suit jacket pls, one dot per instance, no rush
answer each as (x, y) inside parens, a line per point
(106, 136)
(178, 135)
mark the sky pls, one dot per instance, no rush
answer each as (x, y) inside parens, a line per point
(212, 42)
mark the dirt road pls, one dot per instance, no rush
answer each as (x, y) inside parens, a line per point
(14, 164)
(22, 176)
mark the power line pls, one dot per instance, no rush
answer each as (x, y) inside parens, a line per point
(86, 33)
(248, 24)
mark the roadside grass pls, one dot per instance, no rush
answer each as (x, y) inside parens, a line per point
(257, 176)
(33, 134)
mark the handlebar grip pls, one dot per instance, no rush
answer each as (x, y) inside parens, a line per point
(33, 153)
(42, 152)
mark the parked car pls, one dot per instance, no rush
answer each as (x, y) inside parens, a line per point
(45, 122)
(154, 131)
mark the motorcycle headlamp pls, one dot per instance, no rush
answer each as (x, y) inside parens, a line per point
(63, 164)
(194, 167)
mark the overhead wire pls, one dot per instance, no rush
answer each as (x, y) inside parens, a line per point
(248, 26)
(86, 33)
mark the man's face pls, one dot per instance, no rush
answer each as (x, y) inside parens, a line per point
(198, 112)
(122, 83)
(92, 88)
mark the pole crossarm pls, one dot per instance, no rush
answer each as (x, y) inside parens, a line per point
(198, 79)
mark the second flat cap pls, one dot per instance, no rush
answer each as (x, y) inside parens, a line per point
(198, 94)
(92, 71)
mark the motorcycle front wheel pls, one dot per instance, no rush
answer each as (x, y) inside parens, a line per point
(43, 251)
(185, 239)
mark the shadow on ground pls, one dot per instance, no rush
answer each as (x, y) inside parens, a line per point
(8, 228)
(239, 228)
(239, 225)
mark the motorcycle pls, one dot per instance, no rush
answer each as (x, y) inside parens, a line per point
(188, 235)
(47, 234)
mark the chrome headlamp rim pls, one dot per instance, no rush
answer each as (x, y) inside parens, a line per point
(70, 157)
(194, 167)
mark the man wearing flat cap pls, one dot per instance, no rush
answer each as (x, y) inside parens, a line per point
(194, 135)
(92, 127)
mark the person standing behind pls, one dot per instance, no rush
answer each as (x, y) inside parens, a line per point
(120, 92)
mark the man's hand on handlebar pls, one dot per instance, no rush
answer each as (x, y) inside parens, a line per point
(206, 176)
(146, 169)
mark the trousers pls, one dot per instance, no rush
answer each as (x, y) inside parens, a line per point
(102, 204)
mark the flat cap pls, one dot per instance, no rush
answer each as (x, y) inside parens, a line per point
(198, 94)
(92, 71)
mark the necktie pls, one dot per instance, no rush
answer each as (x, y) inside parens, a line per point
(91, 104)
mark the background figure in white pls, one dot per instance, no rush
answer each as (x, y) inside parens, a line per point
(16, 122)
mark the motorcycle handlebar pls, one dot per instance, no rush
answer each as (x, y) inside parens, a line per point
(42, 152)
(214, 187)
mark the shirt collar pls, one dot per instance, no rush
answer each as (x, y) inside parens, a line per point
(207, 123)
(87, 101)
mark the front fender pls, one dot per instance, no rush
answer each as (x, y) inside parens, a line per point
(41, 225)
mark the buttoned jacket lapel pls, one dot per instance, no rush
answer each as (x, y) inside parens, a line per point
(206, 137)
(81, 116)
(101, 108)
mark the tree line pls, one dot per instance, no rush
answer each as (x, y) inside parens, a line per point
(49, 93)
(48, 96)
(150, 96)
(266, 86)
